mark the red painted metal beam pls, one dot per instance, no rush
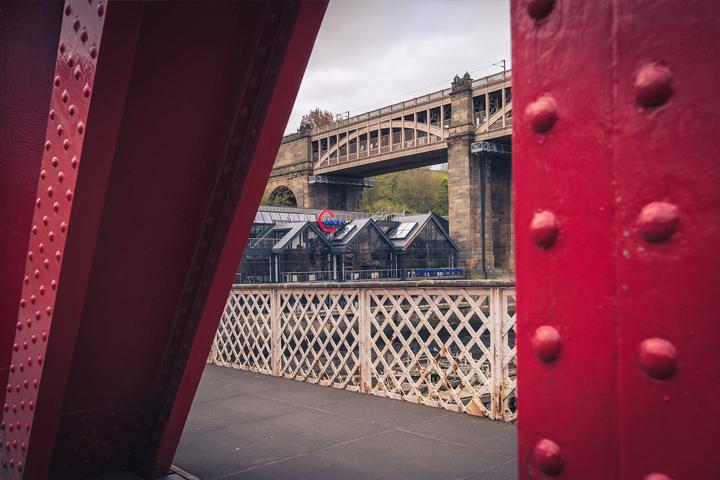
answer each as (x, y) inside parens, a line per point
(28, 41)
(617, 214)
(163, 126)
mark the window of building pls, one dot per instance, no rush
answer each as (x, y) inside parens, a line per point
(403, 230)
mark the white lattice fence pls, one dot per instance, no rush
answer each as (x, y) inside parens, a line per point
(243, 339)
(319, 337)
(450, 347)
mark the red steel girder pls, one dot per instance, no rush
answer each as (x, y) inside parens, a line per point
(617, 214)
(28, 36)
(163, 125)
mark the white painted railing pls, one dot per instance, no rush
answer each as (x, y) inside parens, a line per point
(446, 344)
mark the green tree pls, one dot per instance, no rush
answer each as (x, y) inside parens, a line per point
(416, 191)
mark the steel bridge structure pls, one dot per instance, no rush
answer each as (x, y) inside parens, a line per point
(413, 132)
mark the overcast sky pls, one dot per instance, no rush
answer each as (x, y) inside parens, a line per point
(369, 54)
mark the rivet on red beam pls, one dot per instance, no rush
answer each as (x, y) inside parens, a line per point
(542, 114)
(548, 457)
(546, 343)
(658, 221)
(653, 85)
(658, 358)
(544, 229)
(539, 9)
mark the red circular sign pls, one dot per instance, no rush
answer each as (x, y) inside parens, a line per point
(322, 226)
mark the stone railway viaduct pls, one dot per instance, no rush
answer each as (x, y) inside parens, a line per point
(329, 167)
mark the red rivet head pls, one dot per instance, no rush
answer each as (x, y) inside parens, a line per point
(539, 9)
(68, 195)
(54, 161)
(68, 9)
(71, 110)
(86, 90)
(544, 229)
(658, 358)
(48, 145)
(656, 476)
(84, 36)
(546, 343)
(101, 10)
(653, 85)
(658, 221)
(22, 303)
(548, 457)
(76, 24)
(80, 127)
(542, 114)
(93, 52)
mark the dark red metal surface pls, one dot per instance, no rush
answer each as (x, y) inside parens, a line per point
(618, 223)
(28, 42)
(163, 125)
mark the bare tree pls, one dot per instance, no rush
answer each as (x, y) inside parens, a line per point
(317, 117)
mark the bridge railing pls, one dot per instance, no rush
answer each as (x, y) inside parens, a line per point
(446, 344)
(413, 102)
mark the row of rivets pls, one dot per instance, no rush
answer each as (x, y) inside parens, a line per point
(58, 192)
(656, 223)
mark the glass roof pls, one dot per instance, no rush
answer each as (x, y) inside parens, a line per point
(403, 230)
(344, 232)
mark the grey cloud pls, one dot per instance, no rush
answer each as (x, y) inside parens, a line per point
(372, 53)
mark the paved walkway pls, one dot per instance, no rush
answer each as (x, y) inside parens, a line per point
(248, 426)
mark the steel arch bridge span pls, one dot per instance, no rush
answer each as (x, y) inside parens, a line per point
(414, 133)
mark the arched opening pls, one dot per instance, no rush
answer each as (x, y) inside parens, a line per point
(282, 197)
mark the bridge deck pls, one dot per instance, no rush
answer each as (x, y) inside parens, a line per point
(250, 426)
